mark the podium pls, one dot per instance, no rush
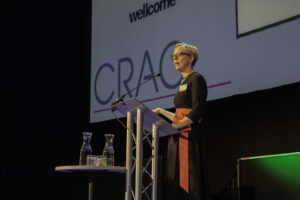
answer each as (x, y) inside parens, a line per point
(147, 124)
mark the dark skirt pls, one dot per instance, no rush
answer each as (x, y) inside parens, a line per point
(198, 179)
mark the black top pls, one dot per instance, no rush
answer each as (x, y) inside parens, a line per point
(192, 94)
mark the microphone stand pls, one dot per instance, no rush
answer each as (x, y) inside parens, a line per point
(120, 98)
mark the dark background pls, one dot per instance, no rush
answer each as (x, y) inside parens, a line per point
(45, 92)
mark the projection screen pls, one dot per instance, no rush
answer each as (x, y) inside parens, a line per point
(133, 40)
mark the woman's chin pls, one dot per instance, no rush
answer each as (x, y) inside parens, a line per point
(177, 68)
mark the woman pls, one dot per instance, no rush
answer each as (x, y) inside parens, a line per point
(186, 177)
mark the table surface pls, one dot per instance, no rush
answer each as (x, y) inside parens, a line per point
(87, 168)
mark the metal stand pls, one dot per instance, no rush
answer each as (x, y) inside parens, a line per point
(140, 170)
(91, 187)
(149, 127)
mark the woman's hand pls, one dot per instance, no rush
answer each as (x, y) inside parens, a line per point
(184, 123)
(167, 114)
(156, 111)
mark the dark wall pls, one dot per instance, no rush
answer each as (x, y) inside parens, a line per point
(259, 123)
(45, 106)
(45, 93)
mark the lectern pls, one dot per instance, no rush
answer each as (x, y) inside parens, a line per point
(147, 124)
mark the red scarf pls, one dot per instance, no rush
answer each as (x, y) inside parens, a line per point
(183, 149)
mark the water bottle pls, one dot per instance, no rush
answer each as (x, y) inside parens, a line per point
(108, 151)
(86, 148)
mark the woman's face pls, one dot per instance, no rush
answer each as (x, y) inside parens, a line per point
(182, 59)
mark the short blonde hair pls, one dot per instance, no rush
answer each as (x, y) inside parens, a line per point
(191, 49)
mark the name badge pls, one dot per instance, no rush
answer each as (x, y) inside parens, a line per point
(182, 88)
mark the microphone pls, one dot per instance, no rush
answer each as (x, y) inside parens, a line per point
(120, 98)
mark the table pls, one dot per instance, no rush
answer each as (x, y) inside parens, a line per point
(91, 171)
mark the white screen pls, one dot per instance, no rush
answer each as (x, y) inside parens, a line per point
(255, 14)
(125, 52)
